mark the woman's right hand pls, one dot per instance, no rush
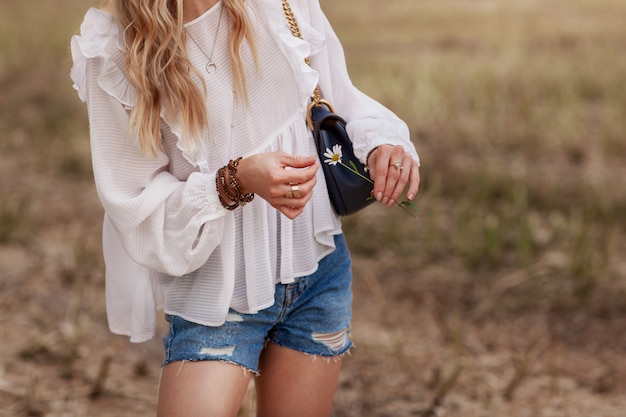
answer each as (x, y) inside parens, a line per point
(272, 175)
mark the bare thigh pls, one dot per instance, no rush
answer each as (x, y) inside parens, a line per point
(292, 383)
(201, 389)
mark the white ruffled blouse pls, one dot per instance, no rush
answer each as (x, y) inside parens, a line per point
(168, 242)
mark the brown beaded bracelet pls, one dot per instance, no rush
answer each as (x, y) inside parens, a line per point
(242, 197)
(220, 180)
(367, 158)
(232, 187)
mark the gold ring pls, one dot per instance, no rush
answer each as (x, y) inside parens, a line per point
(289, 194)
(295, 190)
(401, 167)
(396, 164)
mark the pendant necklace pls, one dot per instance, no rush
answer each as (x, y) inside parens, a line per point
(211, 67)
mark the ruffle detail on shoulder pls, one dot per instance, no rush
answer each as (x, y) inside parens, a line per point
(100, 38)
(295, 49)
(191, 151)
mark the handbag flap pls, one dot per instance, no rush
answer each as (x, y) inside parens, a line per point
(348, 190)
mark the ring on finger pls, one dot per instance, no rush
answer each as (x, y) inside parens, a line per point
(295, 190)
(396, 165)
(289, 194)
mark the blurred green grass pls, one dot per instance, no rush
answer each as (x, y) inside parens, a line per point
(517, 109)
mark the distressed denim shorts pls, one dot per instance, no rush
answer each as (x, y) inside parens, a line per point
(311, 315)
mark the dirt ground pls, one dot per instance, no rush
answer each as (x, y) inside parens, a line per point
(418, 351)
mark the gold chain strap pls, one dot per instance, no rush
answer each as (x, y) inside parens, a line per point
(295, 30)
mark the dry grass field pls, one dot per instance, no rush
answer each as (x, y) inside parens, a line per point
(506, 297)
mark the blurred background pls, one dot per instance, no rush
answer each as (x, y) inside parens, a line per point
(505, 297)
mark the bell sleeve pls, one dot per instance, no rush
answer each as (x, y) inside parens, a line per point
(165, 224)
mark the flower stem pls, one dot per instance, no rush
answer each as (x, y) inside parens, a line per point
(356, 172)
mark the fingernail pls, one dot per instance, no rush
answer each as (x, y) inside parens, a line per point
(379, 196)
(391, 202)
(385, 201)
(411, 196)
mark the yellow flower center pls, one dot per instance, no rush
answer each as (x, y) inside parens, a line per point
(335, 157)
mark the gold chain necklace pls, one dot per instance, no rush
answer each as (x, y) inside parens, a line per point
(211, 67)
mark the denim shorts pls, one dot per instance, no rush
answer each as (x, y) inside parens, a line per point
(311, 315)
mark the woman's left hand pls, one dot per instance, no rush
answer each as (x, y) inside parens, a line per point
(392, 168)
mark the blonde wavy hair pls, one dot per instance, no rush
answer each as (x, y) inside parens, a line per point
(158, 66)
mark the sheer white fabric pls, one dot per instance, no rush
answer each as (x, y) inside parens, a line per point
(168, 242)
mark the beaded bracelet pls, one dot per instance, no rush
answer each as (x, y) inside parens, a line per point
(220, 179)
(367, 158)
(232, 187)
(242, 197)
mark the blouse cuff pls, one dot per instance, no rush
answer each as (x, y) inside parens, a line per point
(373, 133)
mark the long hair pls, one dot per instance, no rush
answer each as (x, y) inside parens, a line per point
(158, 66)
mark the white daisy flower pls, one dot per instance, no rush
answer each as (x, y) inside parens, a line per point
(334, 156)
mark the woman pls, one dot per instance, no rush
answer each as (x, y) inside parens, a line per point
(195, 108)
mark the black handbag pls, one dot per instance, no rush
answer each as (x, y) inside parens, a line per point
(348, 183)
